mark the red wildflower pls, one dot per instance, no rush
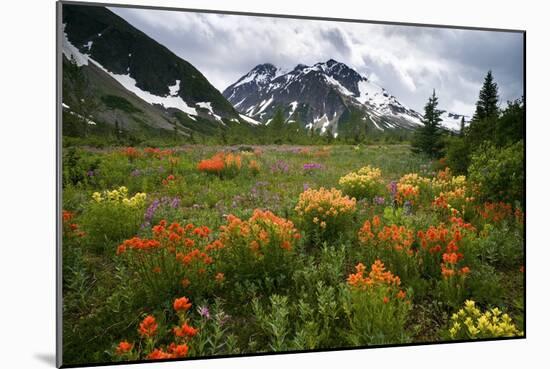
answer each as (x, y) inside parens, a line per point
(158, 354)
(182, 304)
(148, 327)
(178, 351)
(123, 347)
(185, 331)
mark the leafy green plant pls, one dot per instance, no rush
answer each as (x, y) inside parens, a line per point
(110, 217)
(376, 307)
(499, 172)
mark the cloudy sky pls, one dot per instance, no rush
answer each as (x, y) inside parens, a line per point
(408, 61)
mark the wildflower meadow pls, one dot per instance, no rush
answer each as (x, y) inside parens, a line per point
(200, 251)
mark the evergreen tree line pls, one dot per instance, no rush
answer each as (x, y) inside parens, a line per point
(490, 125)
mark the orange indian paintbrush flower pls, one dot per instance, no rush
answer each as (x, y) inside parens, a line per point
(182, 304)
(148, 326)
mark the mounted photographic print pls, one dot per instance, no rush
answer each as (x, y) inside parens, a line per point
(236, 184)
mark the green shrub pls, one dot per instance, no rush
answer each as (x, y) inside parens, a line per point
(112, 216)
(363, 184)
(376, 308)
(325, 215)
(499, 172)
(500, 246)
(485, 286)
(458, 155)
(262, 247)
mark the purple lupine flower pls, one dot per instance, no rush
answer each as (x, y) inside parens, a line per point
(279, 166)
(90, 173)
(379, 200)
(204, 312)
(135, 173)
(153, 207)
(175, 202)
(306, 186)
(150, 213)
(393, 188)
(311, 166)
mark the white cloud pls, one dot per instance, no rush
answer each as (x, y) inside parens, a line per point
(408, 61)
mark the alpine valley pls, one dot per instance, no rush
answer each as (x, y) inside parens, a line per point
(142, 86)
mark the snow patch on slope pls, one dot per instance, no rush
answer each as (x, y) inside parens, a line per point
(128, 82)
(208, 106)
(175, 89)
(264, 105)
(293, 106)
(249, 120)
(71, 51)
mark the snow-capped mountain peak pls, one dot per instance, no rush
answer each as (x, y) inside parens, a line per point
(322, 96)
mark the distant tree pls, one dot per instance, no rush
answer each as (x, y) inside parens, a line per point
(462, 126)
(223, 136)
(192, 137)
(489, 126)
(277, 126)
(117, 130)
(428, 138)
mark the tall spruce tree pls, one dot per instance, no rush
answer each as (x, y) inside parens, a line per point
(483, 126)
(487, 103)
(428, 138)
(462, 126)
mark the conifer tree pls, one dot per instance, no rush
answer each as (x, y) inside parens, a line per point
(462, 126)
(487, 103)
(483, 126)
(428, 138)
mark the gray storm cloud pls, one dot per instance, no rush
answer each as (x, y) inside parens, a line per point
(408, 61)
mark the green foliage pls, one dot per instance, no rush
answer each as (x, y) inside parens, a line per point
(373, 321)
(106, 295)
(274, 322)
(499, 172)
(215, 336)
(487, 104)
(260, 249)
(485, 284)
(109, 223)
(77, 167)
(511, 124)
(428, 138)
(501, 245)
(501, 128)
(458, 154)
